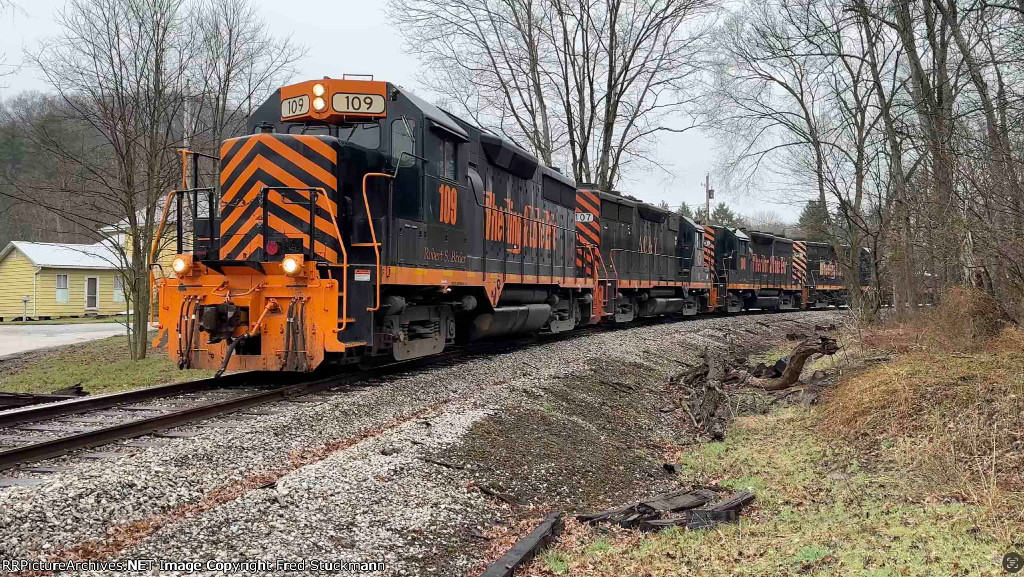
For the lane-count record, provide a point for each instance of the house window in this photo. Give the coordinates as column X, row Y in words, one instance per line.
column 448, row 159
column 118, row 289
column 62, row 289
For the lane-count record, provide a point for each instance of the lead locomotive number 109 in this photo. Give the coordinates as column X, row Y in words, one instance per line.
column 357, row 221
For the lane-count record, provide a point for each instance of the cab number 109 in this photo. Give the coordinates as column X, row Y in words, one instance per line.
column 448, row 205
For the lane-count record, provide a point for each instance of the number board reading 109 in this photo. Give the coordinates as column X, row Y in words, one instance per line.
column 296, row 106
column 347, row 103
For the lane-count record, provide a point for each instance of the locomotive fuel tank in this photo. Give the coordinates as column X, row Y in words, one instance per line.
column 510, row 320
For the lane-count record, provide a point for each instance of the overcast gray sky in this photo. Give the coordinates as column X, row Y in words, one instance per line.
column 353, row 36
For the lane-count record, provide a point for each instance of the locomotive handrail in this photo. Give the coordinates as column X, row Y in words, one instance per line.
column 160, row 227
column 337, row 232
column 155, row 248
column 611, row 256
column 373, row 232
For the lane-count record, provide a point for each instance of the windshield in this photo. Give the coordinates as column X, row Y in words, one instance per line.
column 363, row 134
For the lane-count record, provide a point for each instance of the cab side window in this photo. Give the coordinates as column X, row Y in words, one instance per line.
column 448, row 160
column 406, row 196
column 403, row 141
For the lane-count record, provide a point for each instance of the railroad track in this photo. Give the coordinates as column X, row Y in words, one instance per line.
column 95, row 421
column 89, row 422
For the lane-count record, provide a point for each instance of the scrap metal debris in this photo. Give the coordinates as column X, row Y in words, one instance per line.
column 685, row 507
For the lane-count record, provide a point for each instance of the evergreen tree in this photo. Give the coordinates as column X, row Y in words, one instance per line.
column 721, row 215
column 684, row 210
column 813, row 221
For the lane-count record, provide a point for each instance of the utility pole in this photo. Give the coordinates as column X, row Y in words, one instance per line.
column 709, row 193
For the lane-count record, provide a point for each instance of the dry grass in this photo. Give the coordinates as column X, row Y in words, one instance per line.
column 100, row 366
column 912, row 465
column 949, row 406
column 822, row 508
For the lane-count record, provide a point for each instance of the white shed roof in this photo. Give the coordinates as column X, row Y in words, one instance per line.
column 54, row 255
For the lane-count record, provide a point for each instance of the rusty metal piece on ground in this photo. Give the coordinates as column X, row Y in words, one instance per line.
column 725, row 511
column 75, row 390
column 734, row 502
column 678, row 500
column 527, row 548
column 705, row 518
column 627, row 515
column 15, row 400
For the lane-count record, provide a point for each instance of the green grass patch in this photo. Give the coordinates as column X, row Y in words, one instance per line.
column 555, row 562
column 100, row 366
column 821, row 509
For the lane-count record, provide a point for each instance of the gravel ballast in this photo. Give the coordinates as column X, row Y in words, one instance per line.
column 388, row 472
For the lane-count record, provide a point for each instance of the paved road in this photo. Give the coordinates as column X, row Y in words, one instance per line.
column 21, row 338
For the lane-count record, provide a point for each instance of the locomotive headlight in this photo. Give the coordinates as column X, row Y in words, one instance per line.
column 319, row 104
column 292, row 264
column 318, row 89
column 182, row 264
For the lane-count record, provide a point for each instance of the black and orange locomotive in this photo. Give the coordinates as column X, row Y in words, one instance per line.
column 359, row 221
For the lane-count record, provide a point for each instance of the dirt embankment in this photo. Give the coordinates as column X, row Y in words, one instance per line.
column 910, row 463
column 601, row 437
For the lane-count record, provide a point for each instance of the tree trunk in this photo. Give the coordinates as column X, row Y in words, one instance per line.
column 802, row 352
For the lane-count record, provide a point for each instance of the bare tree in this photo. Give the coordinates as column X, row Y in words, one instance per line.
column 239, row 63
column 903, row 117
column 792, row 95
column 119, row 67
column 590, row 84
column 133, row 80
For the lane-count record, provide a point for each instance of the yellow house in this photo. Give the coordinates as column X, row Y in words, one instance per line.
column 119, row 235
column 49, row 280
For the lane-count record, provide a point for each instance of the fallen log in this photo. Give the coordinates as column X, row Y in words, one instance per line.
column 802, row 352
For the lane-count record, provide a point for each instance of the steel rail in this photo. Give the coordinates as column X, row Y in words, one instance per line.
column 63, row 445
column 35, row 413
